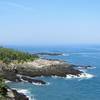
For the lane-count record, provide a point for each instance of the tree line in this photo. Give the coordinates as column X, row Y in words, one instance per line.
column 9, row 55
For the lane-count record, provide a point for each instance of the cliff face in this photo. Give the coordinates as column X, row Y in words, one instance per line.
column 58, row 69
column 39, row 67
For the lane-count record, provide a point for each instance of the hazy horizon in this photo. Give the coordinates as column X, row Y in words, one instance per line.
column 49, row 22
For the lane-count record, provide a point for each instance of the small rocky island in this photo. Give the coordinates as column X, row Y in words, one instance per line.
column 48, row 54
column 19, row 66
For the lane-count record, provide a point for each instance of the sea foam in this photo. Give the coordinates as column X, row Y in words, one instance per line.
column 23, row 91
column 80, row 76
column 26, row 92
column 83, row 75
column 38, row 84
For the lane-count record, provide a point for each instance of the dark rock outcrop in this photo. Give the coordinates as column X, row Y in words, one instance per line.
column 12, row 76
column 30, row 80
column 10, row 94
column 38, row 68
column 19, row 96
column 48, row 53
column 14, row 95
column 59, row 70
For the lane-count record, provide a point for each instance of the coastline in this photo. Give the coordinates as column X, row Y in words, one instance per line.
column 40, row 67
column 27, row 71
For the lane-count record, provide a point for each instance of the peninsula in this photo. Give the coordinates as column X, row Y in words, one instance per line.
column 20, row 66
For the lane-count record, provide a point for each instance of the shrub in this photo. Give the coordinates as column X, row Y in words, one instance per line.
column 9, row 55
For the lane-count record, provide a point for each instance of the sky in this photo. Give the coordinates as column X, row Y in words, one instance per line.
column 49, row 22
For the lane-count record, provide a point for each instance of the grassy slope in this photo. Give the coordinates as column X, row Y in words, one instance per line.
column 10, row 55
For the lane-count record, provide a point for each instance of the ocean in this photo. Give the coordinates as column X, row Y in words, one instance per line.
column 58, row 88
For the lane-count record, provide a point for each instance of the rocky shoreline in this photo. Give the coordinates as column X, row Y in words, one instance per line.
column 38, row 67
column 14, row 95
column 25, row 72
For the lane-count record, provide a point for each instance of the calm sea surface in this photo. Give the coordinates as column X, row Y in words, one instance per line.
column 63, row 88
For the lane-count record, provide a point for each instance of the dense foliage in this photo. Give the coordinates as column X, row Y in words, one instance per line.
column 3, row 89
column 10, row 55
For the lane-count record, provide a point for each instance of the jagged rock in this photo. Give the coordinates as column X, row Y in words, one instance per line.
column 14, row 95
column 39, row 67
column 30, row 80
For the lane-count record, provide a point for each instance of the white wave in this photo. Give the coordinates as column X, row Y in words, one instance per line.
column 86, row 75
column 54, row 76
column 23, row 91
column 38, row 84
column 83, row 75
column 91, row 67
column 26, row 92
column 80, row 76
column 65, row 54
column 7, row 81
column 83, row 69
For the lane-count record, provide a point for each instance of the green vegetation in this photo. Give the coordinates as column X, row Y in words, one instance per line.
column 3, row 89
column 9, row 55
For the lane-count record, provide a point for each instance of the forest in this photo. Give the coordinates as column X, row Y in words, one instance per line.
column 10, row 55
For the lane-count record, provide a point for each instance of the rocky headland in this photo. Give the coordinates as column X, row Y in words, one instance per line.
column 39, row 67
column 23, row 67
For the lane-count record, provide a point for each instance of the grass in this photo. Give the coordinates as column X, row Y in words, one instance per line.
column 10, row 55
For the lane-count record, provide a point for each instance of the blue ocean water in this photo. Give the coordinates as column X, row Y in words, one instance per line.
column 62, row 88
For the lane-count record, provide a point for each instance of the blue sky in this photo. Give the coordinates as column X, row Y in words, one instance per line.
column 49, row 22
